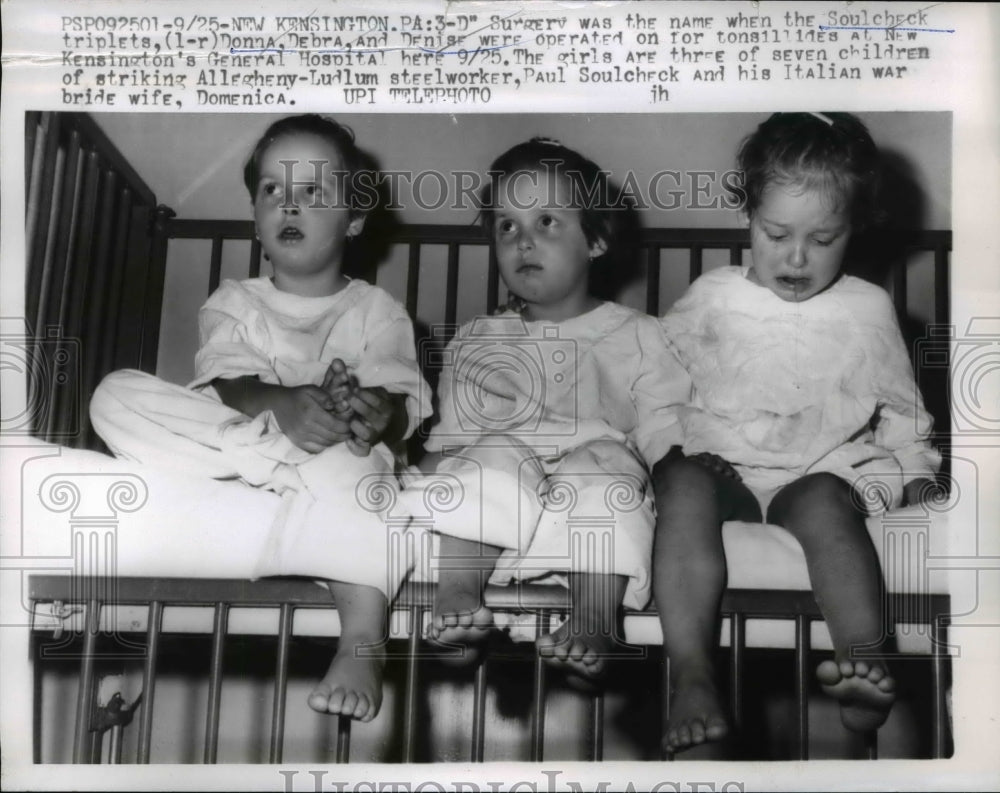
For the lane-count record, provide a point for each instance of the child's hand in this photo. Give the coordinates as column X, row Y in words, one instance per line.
column 341, row 385
column 715, row 463
column 305, row 414
column 375, row 412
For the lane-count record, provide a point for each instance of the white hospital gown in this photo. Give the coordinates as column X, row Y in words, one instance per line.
column 333, row 522
column 783, row 389
column 553, row 427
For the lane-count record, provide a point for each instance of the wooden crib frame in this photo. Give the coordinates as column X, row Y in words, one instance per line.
column 113, row 250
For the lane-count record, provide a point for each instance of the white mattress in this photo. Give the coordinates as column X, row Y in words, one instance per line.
column 67, row 510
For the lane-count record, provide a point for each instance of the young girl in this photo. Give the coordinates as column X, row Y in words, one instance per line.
column 550, row 416
column 803, row 399
column 304, row 383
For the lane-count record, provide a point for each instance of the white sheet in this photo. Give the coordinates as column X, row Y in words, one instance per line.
column 71, row 503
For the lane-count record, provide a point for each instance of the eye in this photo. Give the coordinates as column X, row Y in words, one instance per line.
column 775, row 236
column 824, row 243
column 505, row 226
column 269, row 188
column 547, row 221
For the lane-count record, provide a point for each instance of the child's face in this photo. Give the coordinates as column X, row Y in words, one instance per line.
column 301, row 218
column 797, row 237
column 541, row 248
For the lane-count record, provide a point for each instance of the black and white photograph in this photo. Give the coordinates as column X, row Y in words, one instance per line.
column 377, row 435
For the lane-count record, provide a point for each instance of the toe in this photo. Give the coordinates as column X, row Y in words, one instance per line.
column 349, row 704
column 697, row 731
column 576, row 650
column 335, row 702
column 875, row 674
column 716, row 728
column 828, row 673
column 887, row 684
column 846, row 669
column 319, row 700
column 862, row 669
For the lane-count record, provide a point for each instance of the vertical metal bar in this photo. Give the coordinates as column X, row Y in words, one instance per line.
column 871, row 744
column 666, row 701
column 149, row 679
column 737, row 642
column 479, row 714
column 343, row 739
column 115, row 749
column 82, row 739
column 215, row 682
column 735, row 256
column 280, row 684
column 413, row 279
column 451, row 285
column 941, row 313
column 155, row 276
column 34, row 145
column 939, row 634
column 492, row 282
column 254, row 259
column 597, row 728
column 410, row 690
column 802, row 684
column 110, row 329
column 696, row 265
column 538, row 698
column 215, row 270
column 652, row 280
column 96, row 747
column 39, row 247
column 899, row 288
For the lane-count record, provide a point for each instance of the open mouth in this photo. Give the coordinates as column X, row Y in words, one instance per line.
column 793, row 283
column 290, row 234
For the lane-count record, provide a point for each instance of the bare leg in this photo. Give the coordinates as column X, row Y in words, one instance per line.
column 689, row 576
column 460, row 616
column 352, row 685
column 847, row 582
column 583, row 645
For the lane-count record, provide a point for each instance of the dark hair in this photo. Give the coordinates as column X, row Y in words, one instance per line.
column 599, row 201
column 828, row 151
column 329, row 130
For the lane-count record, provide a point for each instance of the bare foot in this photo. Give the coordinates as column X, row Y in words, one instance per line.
column 583, row 655
column 696, row 715
column 461, row 623
column 865, row 690
column 352, row 685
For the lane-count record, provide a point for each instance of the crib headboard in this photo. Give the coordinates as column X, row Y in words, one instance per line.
column 95, row 251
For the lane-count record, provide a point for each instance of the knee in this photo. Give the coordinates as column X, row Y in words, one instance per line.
column 106, row 398
column 496, row 452
column 603, row 457
column 805, row 502
column 681, row 475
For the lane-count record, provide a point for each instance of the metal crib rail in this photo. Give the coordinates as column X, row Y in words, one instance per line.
column 288, row 595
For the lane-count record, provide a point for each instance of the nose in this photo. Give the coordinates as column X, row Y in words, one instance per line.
column 290, row 208
column 525, row 241
column 797, row 255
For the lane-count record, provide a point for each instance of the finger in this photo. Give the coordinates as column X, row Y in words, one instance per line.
column 376, row 416
column 318, row 397
column 363, row 431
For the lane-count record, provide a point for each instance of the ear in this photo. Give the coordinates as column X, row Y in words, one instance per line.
column 598, row 248
column 356, row 225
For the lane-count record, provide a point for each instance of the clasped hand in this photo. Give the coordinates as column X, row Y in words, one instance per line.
column 337, row 411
